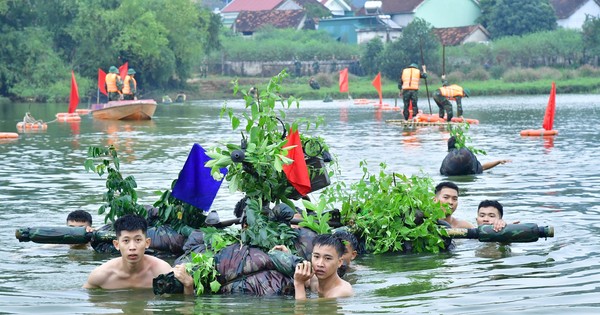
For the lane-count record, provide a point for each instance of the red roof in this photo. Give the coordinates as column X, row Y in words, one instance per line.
column 452, row 36
column 251, row 5
column 399, row 6
column 250, row 21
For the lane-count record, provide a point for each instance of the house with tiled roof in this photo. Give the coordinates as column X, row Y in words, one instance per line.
column 230, row 12
column 453, row 36
column 248, row 22
column 572, row 13
column 439, row 13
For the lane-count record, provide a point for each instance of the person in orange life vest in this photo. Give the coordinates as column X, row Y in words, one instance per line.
column 114, row 84
column 129, row 85
column 409, row 84
column 444, row 94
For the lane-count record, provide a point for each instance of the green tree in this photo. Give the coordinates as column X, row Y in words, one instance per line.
column 417, row 36
column 591, row 36
column 516, row 17
column 370, row 57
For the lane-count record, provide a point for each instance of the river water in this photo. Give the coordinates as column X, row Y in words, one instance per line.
column 549, row 182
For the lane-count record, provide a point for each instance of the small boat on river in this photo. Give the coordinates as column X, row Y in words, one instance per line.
column 125, row 110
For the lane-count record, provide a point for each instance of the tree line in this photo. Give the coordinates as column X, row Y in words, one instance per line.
column 42, row 40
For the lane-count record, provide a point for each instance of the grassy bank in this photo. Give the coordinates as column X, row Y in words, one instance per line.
column 216, row 87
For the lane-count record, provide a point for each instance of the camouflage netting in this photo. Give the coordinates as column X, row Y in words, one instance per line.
column 249, row 270
column 303, row 243
column 460, row 162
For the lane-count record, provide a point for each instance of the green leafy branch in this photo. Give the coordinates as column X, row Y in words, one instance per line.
column 177, row 213
column 121, row 197
column 264, row 233
column 389, row 210
column 460, row 134
column 319, row 222
column 202, row 269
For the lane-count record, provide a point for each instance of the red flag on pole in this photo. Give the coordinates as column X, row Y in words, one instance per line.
column 344, row 80
column 377, row 84
column 74, row 98
column 123, row 70
column 102, row 81
column 297, row 173
column 549, row 116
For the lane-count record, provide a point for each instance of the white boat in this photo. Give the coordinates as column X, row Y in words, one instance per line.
column 125, row 110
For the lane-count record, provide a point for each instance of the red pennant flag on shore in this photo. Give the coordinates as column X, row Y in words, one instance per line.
column 297, row 173
column 377, row 84
column 123, row 70
column 102, row 81
column 74, row 98
column 344, row 80
column 550, row 109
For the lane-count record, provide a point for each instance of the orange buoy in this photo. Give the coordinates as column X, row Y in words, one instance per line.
column 68, row 117
column 429, row 118
column 362, row 101
column 467, row 120
column 9, row 135
column 386, row 107
column 31, row 126
column 538, row 133
column 83, row 111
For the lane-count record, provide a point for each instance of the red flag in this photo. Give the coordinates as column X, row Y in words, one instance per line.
column 344, row 80
column 123, row 70
column 102, row 81
column 297, row 173
column 549, row 116
column 377, row 84
column 74, row 99
column 410, row 110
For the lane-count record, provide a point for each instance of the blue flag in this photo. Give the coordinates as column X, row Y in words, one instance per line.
column 195, row 185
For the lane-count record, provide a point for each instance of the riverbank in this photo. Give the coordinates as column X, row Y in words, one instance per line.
column 219, row 87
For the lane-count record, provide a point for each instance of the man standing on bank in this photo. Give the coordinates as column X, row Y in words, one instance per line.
column 409, row 84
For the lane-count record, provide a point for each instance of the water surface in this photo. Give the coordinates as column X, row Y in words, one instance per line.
column 549, row 182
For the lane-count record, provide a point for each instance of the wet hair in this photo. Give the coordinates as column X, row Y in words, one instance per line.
column 443, row 185
column 346, row 236
column 330, row 240
column 130, row 222
column 451, row 143
column 80, row 216
column 240, row 207
column 493, row 204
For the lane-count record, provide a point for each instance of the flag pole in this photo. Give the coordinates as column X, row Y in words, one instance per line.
column 426, row 86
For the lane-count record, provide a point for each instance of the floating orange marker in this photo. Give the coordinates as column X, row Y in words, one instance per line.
column 68, row 117
column 83, row 111
column 467, row 120
column 548, row 119
column 21, row 126
column 9, row 135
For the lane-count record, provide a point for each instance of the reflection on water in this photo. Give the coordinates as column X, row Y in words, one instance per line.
column 551, row 181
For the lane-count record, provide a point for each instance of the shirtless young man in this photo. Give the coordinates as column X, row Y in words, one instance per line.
column 490, row 212
column 326, row 259
column 447, row 193
column 133, row 269
column 79, row 218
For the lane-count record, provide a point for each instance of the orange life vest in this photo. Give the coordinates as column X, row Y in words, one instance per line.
column 452, row 91
column 410, row 78
column 111, row 82
column 127, row 85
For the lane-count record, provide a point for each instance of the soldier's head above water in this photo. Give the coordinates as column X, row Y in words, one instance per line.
column 489, row 211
